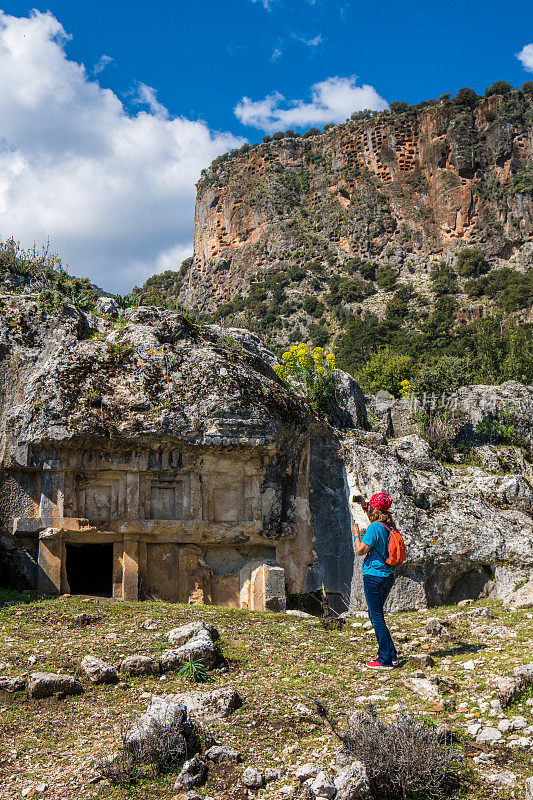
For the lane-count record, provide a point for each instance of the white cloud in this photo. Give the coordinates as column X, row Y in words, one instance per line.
column 267, row 4
column 276, row 55
column 332, row 100
column 526, row 57
column 314, row 42
column 114, row 191
column 101, row 64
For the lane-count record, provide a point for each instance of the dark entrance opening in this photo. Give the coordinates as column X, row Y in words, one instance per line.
column 90, row 569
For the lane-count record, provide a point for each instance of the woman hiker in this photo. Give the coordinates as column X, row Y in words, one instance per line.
column 378, row 576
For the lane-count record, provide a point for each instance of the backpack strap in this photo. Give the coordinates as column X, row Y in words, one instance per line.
column 377, row 551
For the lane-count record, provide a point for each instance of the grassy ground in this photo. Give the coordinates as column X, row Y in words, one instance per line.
column 276, row 662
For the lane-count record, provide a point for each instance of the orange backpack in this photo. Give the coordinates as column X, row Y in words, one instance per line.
column 396, row 548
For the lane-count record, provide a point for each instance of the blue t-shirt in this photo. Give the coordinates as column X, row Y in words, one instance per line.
column 377, row 537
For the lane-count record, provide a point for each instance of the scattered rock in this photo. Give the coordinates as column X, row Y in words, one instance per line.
column 183, row 634
column 107, row 306
column 46, row 684
column 323, row 786
column 463, row 603
column 424, row 688
column 488, row 735
column 421, row 660
column 252, row 778
column 293, row 612
column 98, row 671
column 80, row 620
column 13, row 684
column 218, row 704
column 220, row 754
column 434, row 626
column 162, row 715
column 306, row 771
column 526, row 672
column 149, row 625
column 473, row 730
column 529, row 789
column 273, row 774
column 201, row 647
column 504, row 726
column 193, row 773
column 140, row 665
column 510, row 689
column 505, row 778
column 352, row 782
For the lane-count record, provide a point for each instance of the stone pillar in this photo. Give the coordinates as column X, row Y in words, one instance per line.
column 49, row 566
column 118, row 568
column 130, row 573
column 132, row 495
column 262, row 587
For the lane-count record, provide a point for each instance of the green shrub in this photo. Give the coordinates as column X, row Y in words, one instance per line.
column 471, row 262
column 511, row 290
column 386, row 370
column 398, row 106
column 296, row 273
column 442, row 279
column 386, row 277
column 466, row 98
column 193, row 670
column 499, row 87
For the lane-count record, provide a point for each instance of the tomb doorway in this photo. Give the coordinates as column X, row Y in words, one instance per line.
column 90, row 569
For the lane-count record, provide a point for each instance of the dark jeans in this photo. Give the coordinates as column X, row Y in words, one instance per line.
column 376, row 592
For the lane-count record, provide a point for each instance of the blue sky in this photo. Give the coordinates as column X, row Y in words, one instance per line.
column 195, row 63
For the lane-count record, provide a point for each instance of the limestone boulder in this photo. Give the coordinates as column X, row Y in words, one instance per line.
column 252, row 778
column 522, row 597
column 193, row 774
column 468, row 534
column 217, row 704
column 107, row 306
column 351, row 782
column 98, row 671
column 140, row 665
column 201, row 647
column 46, row 684
column 222, row 754
column 11, row 685
column 163, row 716
column 184, row 633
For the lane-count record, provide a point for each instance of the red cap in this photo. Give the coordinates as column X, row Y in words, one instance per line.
column 380, row 501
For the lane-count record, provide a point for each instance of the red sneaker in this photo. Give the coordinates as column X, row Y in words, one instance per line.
column 378, row 665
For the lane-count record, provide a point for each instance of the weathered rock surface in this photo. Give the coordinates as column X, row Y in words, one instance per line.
column 162, row 716
column 46, row 684
column 140, row 665
column 396, row 188
column 13, row 684
column 351, row 782
column 455, row 550
column 222, row 754
column 98, row 671
column 193, row 773
column 201, row 647
column 219, row 703
column 183, row 634
column 252, row 778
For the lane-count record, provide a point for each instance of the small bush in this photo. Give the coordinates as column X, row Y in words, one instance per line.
column 499, row 87
column 440, row 430
column 466, row 98
column 403, row 759
column 309, row 374
column 386, row 277
column 471, row 262
column 193, row 671
column 443, row 279
column 386, row 370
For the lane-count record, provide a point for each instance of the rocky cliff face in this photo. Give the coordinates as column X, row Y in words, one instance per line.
column 177, row 446
column 403, row 189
